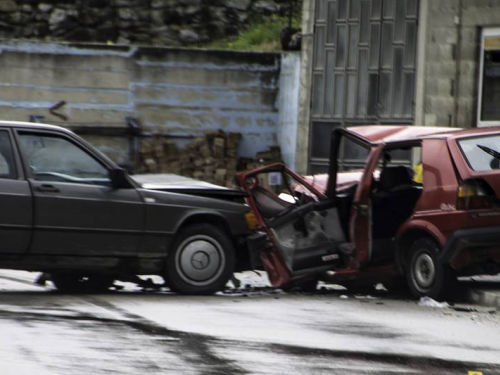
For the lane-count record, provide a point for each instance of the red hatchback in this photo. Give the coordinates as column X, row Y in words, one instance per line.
column 425, row 205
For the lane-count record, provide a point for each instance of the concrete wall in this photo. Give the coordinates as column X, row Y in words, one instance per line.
column 450, row 69
column 175, row 91
column 288, row 104
column 303, row 132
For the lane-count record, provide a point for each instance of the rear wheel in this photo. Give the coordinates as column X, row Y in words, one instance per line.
column 201, row 260
column 426, row 275
column 74, row 283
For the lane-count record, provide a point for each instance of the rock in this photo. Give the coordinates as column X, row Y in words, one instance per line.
column 189, row 36
column 123, row 40
column 127, row 14
column 218, row 14
column 26, row 8
column 160, row 4
column 44, row 7
column 238, row 4
column 265, row 7
column 126, row 3
column 165, row 36
column 8, row 6
column 158, row 17
column 57, row 16
column 191, row 11
column 144, row 15
column 96, row 16
column 15, row 17
column 41, row 30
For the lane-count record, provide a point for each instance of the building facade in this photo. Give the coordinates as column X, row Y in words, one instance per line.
column 425, row 62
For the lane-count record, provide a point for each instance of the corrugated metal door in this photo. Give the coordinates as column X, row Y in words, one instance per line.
column 363, row 68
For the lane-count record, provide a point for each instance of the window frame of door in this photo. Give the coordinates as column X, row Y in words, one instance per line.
column 105, row 162
column 21, row 175
column 485, row 32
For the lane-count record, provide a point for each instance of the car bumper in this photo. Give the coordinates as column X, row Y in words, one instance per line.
column 469, row 239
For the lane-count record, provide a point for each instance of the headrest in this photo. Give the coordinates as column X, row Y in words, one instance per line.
column 394, row 176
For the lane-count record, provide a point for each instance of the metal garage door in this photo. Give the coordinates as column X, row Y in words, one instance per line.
column 363, row 69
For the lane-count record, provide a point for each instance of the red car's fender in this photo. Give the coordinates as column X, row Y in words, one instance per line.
column 411, row 230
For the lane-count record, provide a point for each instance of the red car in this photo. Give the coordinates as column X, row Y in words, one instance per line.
column 425, row 205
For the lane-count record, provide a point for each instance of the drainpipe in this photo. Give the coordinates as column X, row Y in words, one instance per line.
column 458, row 48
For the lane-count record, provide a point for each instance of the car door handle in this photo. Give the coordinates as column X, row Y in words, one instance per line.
column 46, row 189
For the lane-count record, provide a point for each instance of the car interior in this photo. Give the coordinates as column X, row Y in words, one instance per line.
column 393, row 199
column 302, row 230
column 307, row 231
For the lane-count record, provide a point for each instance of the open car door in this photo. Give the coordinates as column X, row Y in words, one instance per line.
column 354, row 200
column 299, row 227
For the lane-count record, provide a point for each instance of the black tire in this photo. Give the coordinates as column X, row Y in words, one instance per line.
column 201, row 260
column 75, row 283
column 426, row 275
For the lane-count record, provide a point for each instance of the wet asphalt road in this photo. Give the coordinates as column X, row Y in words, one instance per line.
column 131, row 332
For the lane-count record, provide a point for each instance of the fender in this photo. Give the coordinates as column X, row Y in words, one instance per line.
column 195, row 215
column 424, row 226
column 412, row 229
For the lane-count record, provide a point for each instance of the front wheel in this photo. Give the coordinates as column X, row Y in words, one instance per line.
column 426, row 275
column 201, row 260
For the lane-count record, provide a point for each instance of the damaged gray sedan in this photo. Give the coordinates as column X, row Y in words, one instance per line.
column 69, row 211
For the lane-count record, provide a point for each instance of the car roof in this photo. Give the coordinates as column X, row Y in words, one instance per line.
column 398, row 133
column 32, row 125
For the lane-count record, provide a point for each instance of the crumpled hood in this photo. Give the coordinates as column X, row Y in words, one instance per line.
column 186, row 185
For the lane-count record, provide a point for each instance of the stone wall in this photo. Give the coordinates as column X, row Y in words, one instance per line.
column 156, row 22
column 451, row 66
column 177, row 92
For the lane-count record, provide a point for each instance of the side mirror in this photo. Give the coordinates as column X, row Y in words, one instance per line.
column 118, row 178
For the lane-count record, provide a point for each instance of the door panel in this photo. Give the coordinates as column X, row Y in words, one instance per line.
column 76, row 219
column 360, row 222
column 301, row 223
column 76, row 211
column 310, row 241
column 16, row 218
column 16, row 204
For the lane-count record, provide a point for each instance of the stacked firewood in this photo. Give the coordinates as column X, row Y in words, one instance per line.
column 211, row 158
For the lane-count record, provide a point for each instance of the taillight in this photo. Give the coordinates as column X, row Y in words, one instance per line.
column 473, row 196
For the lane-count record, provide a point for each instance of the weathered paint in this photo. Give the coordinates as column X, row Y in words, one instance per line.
column 288, row 103
column 176, row 91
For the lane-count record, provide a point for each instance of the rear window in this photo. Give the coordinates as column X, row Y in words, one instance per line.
column 482, row 153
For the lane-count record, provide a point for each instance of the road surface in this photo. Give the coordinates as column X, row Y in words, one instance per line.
column 263, row 332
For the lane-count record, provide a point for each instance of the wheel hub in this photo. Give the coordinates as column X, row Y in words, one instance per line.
column 424, row 270
column 200, row 260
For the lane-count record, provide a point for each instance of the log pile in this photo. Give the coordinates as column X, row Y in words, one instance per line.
column 212, row 158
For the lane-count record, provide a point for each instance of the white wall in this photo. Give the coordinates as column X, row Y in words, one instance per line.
column 288, row 107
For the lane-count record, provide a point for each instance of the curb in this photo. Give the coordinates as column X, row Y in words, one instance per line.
column 483, row 297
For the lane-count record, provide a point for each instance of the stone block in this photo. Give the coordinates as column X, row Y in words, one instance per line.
column 238, row 4
column 8, row 6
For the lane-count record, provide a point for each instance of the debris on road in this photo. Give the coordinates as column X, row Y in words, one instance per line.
column 429, row 302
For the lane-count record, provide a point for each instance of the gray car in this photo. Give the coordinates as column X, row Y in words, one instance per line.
column 68, row 210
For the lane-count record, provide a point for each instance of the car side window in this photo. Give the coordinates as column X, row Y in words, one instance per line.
column 53, row 158
column 7, row 162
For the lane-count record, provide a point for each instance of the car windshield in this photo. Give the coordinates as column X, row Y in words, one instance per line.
column 480, row 152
